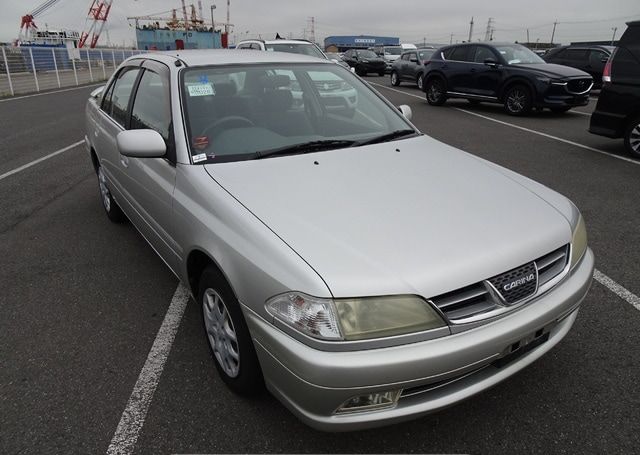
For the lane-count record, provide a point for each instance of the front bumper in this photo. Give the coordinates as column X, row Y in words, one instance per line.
column 433, row 374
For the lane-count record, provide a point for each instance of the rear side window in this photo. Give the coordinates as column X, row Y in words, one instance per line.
column 116, row 101
column 151, row 106
column 597, row 58
column 576, row 54
column 459, row 54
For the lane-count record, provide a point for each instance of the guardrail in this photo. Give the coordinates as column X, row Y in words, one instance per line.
column 31, row 69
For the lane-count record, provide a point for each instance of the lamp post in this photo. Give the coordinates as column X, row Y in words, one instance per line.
column 213, row 27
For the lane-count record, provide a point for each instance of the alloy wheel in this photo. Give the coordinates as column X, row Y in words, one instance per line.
column 221, row 333
column 104, row 191
column 434, row 93
column 516, row 100
column 634, row 139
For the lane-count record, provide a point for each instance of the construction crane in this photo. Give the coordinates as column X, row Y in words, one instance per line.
column 27, row 23
column 96, row 18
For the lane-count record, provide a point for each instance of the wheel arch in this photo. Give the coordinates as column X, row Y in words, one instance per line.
column 197, row 262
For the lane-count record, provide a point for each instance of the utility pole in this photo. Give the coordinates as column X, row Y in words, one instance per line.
column 313, row 29
column 213, row 26
column 451, row 39
column 488, row 34
column 553, row 33
column 226, row 27
column 424, row 41
column 470, row 29
column 613, row 38
column 528, row 37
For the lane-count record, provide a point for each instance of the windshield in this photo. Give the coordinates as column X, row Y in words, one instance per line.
column 367, row 54
column 393, row 50
column 248, row 111
column 515, row 54
column 296, row 48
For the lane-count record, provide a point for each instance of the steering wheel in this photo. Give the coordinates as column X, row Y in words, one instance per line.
column 230, row 121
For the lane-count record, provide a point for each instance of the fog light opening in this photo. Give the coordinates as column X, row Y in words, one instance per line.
column 370, row 402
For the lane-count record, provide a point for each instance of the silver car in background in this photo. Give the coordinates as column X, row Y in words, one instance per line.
column 362, row 271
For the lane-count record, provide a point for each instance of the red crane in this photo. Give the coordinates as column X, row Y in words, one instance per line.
column 98, row 13
column 27, row 23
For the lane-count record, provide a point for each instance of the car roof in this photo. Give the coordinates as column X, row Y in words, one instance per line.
column 201, row 57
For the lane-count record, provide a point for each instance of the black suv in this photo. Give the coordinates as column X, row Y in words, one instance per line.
column 506, row 73
column 617, row 113
column 365, row 62
column 590, row 59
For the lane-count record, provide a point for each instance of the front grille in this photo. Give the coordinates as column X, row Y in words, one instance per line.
column 516, row 284
column 475, row 300
column 329, row 85
column 579, row 86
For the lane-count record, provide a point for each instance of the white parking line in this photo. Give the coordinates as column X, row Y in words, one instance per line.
column 126, row 435
column 14, row 98
column 614, row 287
column 528, row 130
column 39, row 160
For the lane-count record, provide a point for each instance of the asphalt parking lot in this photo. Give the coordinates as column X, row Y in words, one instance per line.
column 83, row 300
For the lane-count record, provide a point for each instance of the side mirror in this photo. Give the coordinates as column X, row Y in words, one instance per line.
column 141, row 144
column 406, row 111
column 491, row 62
column 97, row 93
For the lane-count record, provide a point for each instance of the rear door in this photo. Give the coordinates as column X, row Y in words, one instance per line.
column 457, row 68
column 114, row 113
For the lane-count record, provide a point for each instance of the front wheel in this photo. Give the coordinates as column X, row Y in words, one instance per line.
column 632, row 138
column 517, row 100
column 420, row 81
column 229, row 339
column 381, row 73
column 360, row 71
column 436, row 95
column 395, row 80
column 113, row 211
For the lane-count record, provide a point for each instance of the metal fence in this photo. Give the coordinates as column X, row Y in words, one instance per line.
column 28, row 69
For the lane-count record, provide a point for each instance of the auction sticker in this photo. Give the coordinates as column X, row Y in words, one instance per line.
column 200, row 157
column 200, row 90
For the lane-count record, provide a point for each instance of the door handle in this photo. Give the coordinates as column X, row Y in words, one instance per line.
column 124, row 161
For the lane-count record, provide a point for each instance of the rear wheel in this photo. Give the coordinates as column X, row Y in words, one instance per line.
column 229, row 340
column 517, row 100
column 360, row 71
column 436, row 95
column 381, row 73
column 395, row 79
column 114, row 212
column 420, row 81
column 632, row 138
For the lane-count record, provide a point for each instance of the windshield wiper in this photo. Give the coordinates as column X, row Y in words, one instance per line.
column 305, row 147
column 388, row 137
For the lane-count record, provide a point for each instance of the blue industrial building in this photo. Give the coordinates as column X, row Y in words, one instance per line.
column 164, row 39
column 343, row 43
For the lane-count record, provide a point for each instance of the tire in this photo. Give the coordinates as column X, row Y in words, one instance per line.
column 560, row 110
column 632, row 138
column 235, row 360
column 420, row 81
column 360, row 71
column 111, row 208
column 395, row 79
column 381, row 73
column 435, row 92
column 517, row 100
column 474, row 102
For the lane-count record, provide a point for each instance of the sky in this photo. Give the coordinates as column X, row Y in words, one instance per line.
column 413, row 21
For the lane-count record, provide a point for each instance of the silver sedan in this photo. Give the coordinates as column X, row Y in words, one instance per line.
column 363, row 272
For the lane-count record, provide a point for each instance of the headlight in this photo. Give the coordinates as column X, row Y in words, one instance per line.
column 365, row 61
column 578, row 241
column 354, row 319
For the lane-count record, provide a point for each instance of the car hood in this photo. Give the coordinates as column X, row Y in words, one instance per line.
column 552, row 70
column 412, row 216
